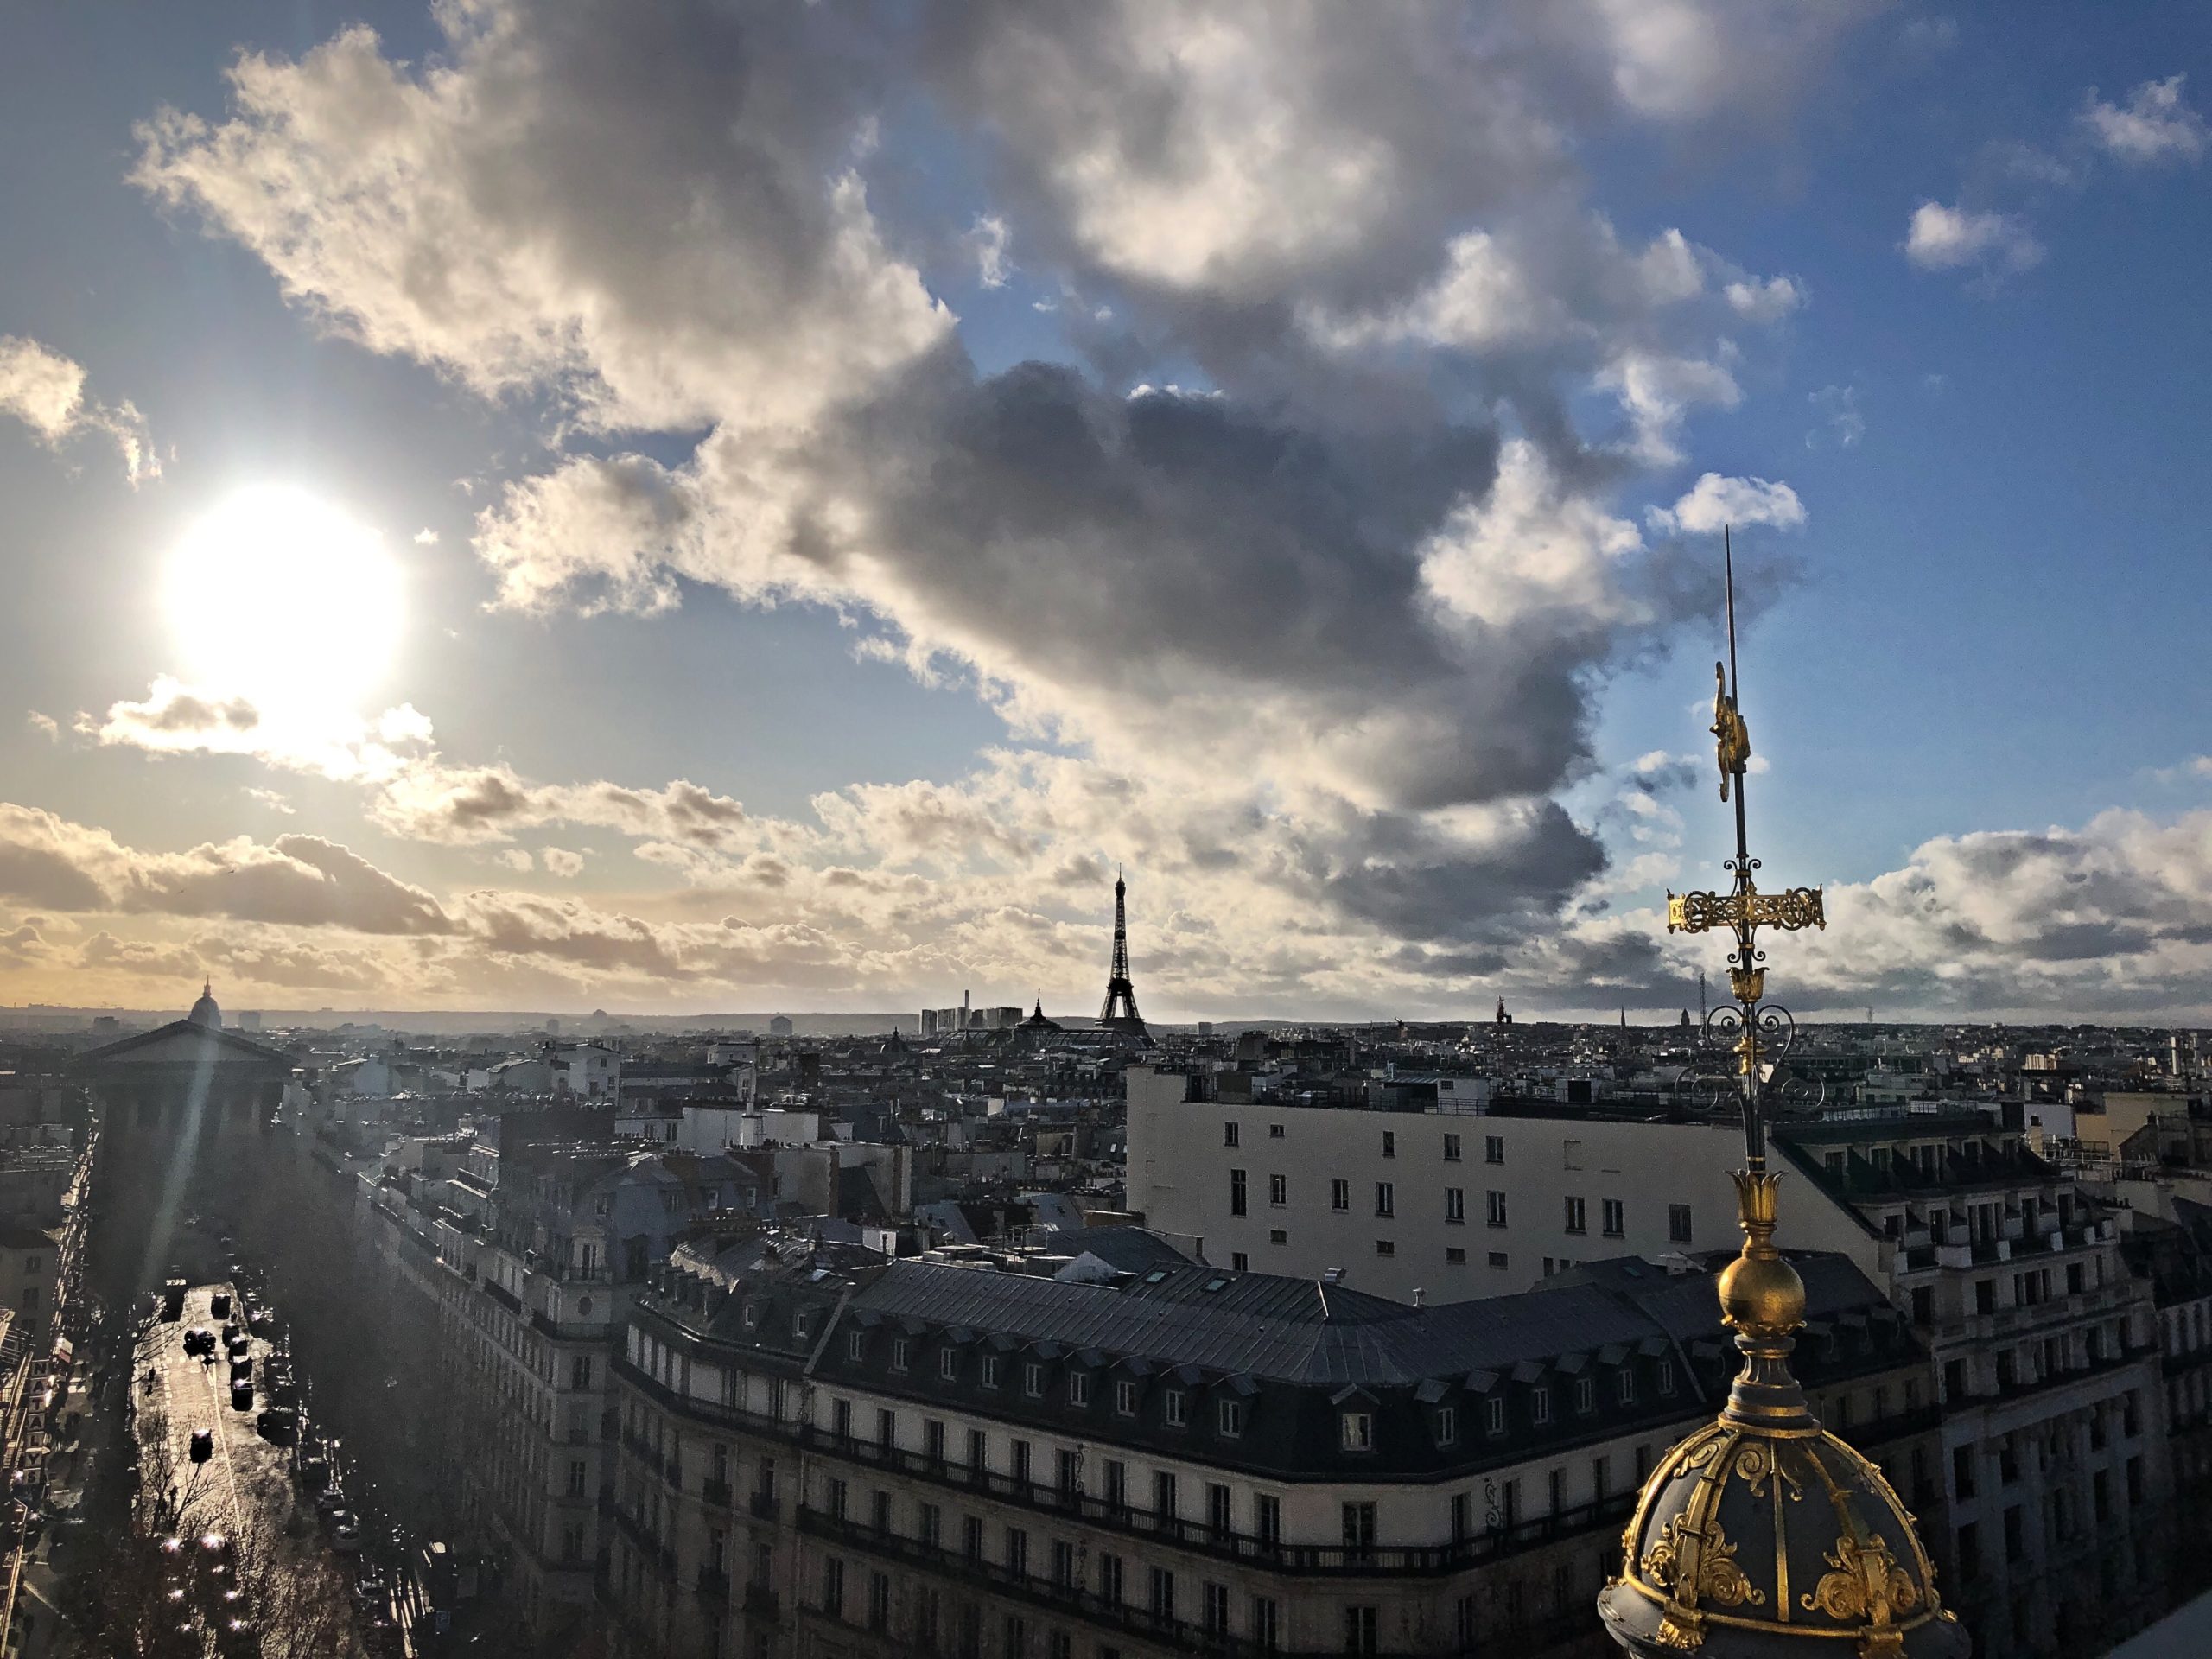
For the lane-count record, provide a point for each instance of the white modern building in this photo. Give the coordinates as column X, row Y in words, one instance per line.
column 1453, row 1204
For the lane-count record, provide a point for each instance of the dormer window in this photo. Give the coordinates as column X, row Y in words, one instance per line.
column 752, row 1317
column 1447, row 1425
column 901, row 1353
column 1033, row 1380
column 990, row 1370
column 1175, row 1404
column 1078, row 1388
column 1666, row 1376
column 1125, row 1398
column 1586, row 1396
column 1230, row 1416
column 1540, row 1405
column 1627, row 1387
column 856, row 1346
column 798, row 1327
column 1494, row 1417
column 1356, row 1431
column 948, row 1364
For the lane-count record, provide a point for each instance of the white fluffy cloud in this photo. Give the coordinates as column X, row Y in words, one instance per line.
column 1319, row 638
column 46, row 391
column 1714, row 501
column 2154, row 124
column 1948, row 239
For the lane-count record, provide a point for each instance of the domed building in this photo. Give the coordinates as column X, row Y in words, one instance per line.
column 205, row 1013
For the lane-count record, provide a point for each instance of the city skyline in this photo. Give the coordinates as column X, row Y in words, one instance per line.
column 554, row 507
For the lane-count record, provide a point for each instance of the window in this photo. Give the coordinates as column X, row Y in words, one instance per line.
column 1447, row 1425
column 1265, row 1625
column 1586, row 1396
column 1278, row 1190
column 1021, row 1450
column 1389, row 1143
column 840, row 1419
column 1540, row 1405
column 580, row 1371
column 1213, row 1608
column 1499, row 1260
column 1117, row 1485
column 1339, row 1195
column 1494, row 1206
column 1063, row 1563
column 1277, row 1235
column 1235, row 1192
column 1359, row 1526
column 1578, row 1216
column 971, row 1537
column 1360, row 1629
column 1165, row 1502
column 901, row 1352
column 1125, row 1398
column 1494, row 1416
column 1218, row 1507
column 1274, row 1131
column 1356, row 1431
column 1451, row 1148
column 1078, row 1388
column 1386, row 1247
column 1267, row 1517
column 1493, row 1148
column 1229, row 1134
column 575, row 1476
column 933, row 1440
column 1175, row 1404
column 855, row 1346
column 1386, row 1198
column 1666, row 1376
column 879, row 1601
column 979, row 1449
column 1239, row 1262
column 990, row 1370
column 1624, row 1386
column 1454, row 1256
column 833, row 1587
column 1229, row 1416
column 1110, row 1579
column 1033, row 1380
column 1678, row 1224
column 1455, row 1205
column 1163, row 1594
column 948, row 1363
column 1610, row 1214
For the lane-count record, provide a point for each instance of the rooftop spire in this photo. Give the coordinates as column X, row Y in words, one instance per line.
column 1844, row 1561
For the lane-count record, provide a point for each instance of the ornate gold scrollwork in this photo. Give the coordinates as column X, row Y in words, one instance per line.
column 1718, row 1579
column 1866, row 1583
column 1790, row 910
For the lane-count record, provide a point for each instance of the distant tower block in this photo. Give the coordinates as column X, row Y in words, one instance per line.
column 1503, row 1017
column 1119, row 1012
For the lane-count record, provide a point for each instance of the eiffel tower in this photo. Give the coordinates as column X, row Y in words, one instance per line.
column 1119, row 1012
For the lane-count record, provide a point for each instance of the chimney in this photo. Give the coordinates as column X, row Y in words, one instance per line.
column 1333, row 1276
column 1421, row 1296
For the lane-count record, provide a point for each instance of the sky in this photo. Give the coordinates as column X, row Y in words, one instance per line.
column 557, row 504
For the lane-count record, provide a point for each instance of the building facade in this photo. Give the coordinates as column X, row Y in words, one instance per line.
column 823, row 1452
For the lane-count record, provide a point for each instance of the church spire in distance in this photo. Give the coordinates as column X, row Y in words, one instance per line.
column 1763, row 1534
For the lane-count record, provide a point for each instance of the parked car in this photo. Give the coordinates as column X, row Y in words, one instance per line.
column 314, row 1471
column 218, row 1305
column 345, row 1536
column 282, row 1391
column 242, row 1394
column 278, row 1423
column 203, row 1445
column 330, row 1500
column 241, row 1367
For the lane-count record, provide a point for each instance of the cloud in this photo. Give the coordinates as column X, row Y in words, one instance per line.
column 559, row 861
column 46, row 391
column 426, row 537
column 514, row 858
column 1714, row 501
column 2153, row 125
column 988, row 239
column 45, row 725
column 176, row 718
column 1315, row 623
column 301, row 881
column 1947, row 238
column 270, row 799
column 1841, row 422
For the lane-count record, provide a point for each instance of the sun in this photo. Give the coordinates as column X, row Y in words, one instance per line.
column 279, row 597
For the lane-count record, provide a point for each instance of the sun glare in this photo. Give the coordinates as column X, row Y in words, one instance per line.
column 279, row 597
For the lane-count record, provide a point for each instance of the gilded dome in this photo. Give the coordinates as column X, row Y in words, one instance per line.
column 1748, row 1542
